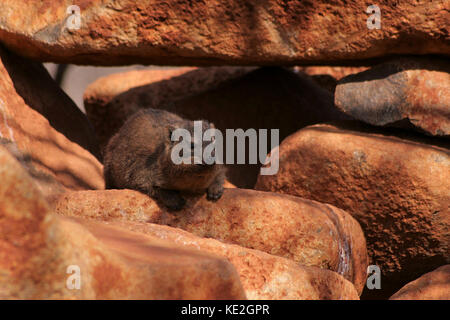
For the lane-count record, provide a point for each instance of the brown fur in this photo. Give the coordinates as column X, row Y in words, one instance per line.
column 138, row 157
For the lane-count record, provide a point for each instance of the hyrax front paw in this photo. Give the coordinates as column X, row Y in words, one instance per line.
column 214, row 192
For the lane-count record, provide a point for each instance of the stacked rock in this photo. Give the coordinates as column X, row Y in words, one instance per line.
column 364, row 157
column 393, row 177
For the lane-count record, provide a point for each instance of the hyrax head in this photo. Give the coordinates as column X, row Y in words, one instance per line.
column 191, row 146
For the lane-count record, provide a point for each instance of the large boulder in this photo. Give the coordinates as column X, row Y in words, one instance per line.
column 46, row 126
column 304, row 231
column 106, row 88
column 35, row 89
column 44, row 256
column 221, row 32
column 408, row 92
column 434, row 285
column 263, row 276
column 230, row 97
column 394, row 183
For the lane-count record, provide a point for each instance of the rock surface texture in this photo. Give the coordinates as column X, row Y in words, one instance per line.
column 304, row 231
column 228, row 32
column 434, row 285
column 395, row 185
column 263, row 276
column 41, row 255
column 411, row 92
column 46, row 126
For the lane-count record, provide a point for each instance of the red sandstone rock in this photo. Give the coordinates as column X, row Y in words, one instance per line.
column 222, row 32
column 395, row 184
column 231, row 98
column 304, row 231
column 38, row 251
column 434, row 285
column 46, row 125
column 412, row 91
column 263, row 276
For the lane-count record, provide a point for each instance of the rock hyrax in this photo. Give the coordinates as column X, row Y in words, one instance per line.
column 138, row 157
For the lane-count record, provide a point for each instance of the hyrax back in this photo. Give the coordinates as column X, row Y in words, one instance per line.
column 138, row 157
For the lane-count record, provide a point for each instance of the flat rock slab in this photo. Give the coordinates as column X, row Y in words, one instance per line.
column 263, row 276
column 434, row 285
column 395, row 184
column 408, row 92
column 304, row 231
column 221, row 32
column 45, row 256
column 46, row 126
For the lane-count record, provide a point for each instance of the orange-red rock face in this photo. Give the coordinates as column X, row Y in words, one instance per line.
column 263, row 276
column 395, row 184
column 433, row 285
column 45, row 124
column 228, row 32
column 38, row 249
column 129, row 260
column 304, row 231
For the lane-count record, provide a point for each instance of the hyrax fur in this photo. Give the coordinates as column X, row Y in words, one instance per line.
column 138, row 157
